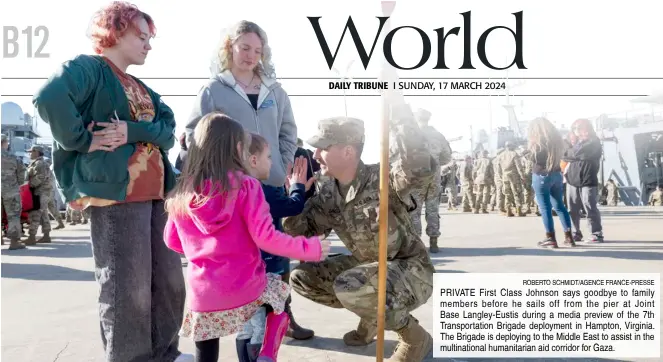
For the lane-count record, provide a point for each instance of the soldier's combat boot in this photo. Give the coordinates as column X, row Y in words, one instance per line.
column 296, row 331
column 509, row 213
column 549, row 241
column 60, row 225
column 568, row 238
column 433, row 246
column 519, row 212
column 413, row 345
column 15, row 244
column 484, row 211
column 476, row 211
column 45, row 239
column 364, row 335
column 31, row 240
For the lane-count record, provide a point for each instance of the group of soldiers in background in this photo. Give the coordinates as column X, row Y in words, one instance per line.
column 41, row 182
column 502, row 183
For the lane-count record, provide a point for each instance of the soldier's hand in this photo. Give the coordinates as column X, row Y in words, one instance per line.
column 310, row 183
column 326, row 248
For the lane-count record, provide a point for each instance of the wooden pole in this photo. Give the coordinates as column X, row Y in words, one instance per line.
column 383, row 231
column 387, row 9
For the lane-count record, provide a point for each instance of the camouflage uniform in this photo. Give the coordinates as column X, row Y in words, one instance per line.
column 528, row 191
column 52, row 208
column 656, row 198
column 467, row 186
column 497, row 199
column 451, row 188
column 613, row 193
column 483, row 178
column 76, row 216
column 39, row 177
column 13, row 174
column 430, row 194
column 512, row 176
column 352, row 211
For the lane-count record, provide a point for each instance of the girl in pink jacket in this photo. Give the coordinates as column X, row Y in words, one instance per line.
column 219, row 220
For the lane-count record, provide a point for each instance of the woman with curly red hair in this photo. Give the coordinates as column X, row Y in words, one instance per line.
column 584, row 158
column 112, row 135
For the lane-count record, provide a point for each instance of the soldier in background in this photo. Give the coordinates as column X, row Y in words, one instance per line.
column 528, row 191
column 613, row 193
column 52, row 205
column 429, row 195
column 465, row 176
column 512, row 179
column 497, row 199
column 39, row 178
column 349, row 205
column 483, row 178
column 656, row 197
column 13, row 174
column 450, row 185
column 77, row 216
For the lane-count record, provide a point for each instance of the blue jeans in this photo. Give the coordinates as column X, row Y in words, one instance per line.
column 549, row 195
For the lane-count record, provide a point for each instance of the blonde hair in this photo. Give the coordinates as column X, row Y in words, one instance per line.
column 211, row 157
column 543, row 136
column 222, row 59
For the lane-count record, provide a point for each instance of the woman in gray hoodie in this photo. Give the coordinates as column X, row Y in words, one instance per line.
column 244, row 87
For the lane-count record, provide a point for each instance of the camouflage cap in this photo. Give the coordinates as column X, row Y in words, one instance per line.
column 36, row 148
column 338, row 131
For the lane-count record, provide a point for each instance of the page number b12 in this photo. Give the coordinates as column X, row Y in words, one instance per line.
column 29, row 41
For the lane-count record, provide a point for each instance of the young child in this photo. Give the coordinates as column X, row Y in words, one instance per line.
column 249, row 341
column 219, row 220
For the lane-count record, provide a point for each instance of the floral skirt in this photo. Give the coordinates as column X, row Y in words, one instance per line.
column 202, row 326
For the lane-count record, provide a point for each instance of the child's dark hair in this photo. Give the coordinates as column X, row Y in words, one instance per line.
column 258, row 144
column 212, row 155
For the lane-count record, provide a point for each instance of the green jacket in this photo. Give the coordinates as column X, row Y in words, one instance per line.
column 86, row 89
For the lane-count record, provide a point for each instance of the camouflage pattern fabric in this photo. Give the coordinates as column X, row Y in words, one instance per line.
column 512, row 176
column 528, row 191
column 39, row 177
column 13, row 173
column 430, row 199
column 343, row 282
column 466, row 186
column 656, row 198
column 613, row 194
column 77, row 216
column 498, row 196
column 451, row 188
column 350, row 281
column 483, row 178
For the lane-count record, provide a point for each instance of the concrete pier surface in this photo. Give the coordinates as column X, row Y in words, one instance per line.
column 49, row 310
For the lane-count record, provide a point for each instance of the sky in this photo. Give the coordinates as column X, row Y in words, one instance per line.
column 564, row 39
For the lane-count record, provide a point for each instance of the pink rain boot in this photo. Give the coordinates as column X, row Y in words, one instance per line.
column 275, row 328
